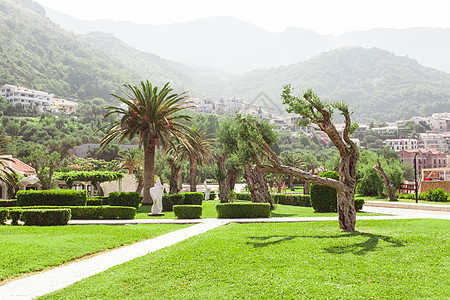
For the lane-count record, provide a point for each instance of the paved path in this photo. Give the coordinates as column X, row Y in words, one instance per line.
column 60, row 277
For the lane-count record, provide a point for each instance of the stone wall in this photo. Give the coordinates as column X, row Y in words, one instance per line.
column 129, row 184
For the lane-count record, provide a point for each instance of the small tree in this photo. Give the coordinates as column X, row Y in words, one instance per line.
column 313, row 110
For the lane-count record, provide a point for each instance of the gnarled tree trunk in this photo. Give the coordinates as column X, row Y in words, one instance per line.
column 391, row 196
column 224, row 187
column 257, row 184
column 173, row 180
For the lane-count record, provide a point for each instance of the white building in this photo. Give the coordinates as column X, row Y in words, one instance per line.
column 430, row 140
column 440, row 122
column 386, row 130
column 27, row 97
column 402, row 144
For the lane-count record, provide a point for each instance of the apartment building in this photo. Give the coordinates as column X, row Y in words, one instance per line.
column 27, row 97
column 426, row 158
column 401, row 144
column 431, row 140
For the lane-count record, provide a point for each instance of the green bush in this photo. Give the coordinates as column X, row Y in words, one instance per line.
column 94, row 202
column 359, row 203
column 212, row 195
column 420, row 196
column 243, row 196
column 52, row 198
column 14, row 215
column 4, row 213
column 169, row 200
column 323, row 198
column 291, row 199
column 242, row 210
column 132, row 199
column 45, row 217
column 187, row 211
column 94, row 212
column 193, row 198
column 8, row 203
column 436, row 195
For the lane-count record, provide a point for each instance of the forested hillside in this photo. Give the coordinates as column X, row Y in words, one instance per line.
column 385, row 86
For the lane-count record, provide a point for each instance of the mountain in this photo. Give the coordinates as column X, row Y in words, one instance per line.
column 385, row 86
column 237, row 47
column 38, row 54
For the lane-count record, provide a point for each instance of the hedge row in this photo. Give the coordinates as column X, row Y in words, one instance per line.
column 292, row 199
column 8, row 203
column 36, row 216
column 243, row 196
column 88, row 212
column 51, row 197
column 242, row 210
column 190, row 198
column 187, row 211
column 132, row 199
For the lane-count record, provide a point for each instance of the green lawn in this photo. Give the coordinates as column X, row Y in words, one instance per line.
column 26, row 249
column 395, row 259
column 209, row 211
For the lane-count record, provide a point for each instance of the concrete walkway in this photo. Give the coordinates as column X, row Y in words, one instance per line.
column 60, row 277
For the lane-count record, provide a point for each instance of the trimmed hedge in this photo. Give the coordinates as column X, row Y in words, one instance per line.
column 193, row 198
column 45, row 217
column 359, row 203
column 4, row 213
column 132, row 199
column 94, row 212
column 292, row 199
column 94, row 202
column 242, row 210
column 51, row 198
column 323, row 198
column 169, row 200
column 8, row 203
column 212, row 195
column 243, row 196
column 14, row 215
column 187, row 211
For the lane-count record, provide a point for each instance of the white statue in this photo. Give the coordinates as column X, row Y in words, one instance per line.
column 207, row 191
column 156, row 192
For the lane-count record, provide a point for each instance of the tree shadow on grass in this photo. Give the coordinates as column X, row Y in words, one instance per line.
column 370, row 244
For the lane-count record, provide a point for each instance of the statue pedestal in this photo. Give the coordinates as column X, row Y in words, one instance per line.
column 155, row 215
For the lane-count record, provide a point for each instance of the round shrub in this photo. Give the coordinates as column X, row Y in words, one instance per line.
column 323, row 198
column 45, row 217
column 359, row 203
column 187, row 211
column 243, row 210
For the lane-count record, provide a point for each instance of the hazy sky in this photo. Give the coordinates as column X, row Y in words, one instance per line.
column 322, row 16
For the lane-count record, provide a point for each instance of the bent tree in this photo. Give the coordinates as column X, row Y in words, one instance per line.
column 313, row 110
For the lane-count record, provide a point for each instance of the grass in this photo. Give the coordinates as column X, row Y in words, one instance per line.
column 209, row 211
column 31, row 248
column 395, row 259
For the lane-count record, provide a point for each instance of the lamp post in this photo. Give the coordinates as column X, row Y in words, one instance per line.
column 415, row 177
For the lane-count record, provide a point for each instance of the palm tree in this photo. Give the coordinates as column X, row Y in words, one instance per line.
column 154, row 116
column 198, row 149
column 7, row 174
column 132, row 160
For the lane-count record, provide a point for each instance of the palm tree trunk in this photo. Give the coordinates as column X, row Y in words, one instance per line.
column 192, row 173
column 149, row 172
column 174, row 169
column 224, row 187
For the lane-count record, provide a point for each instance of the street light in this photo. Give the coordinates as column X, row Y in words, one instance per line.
column 415, row 177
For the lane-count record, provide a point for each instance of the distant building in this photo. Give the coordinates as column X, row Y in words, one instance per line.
column 63, row 105
column 401, row 144
column 440, row 122
column 27, row 97
column 386, row 130
column 426, row 158
column 28, row 176
column 431, row 140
